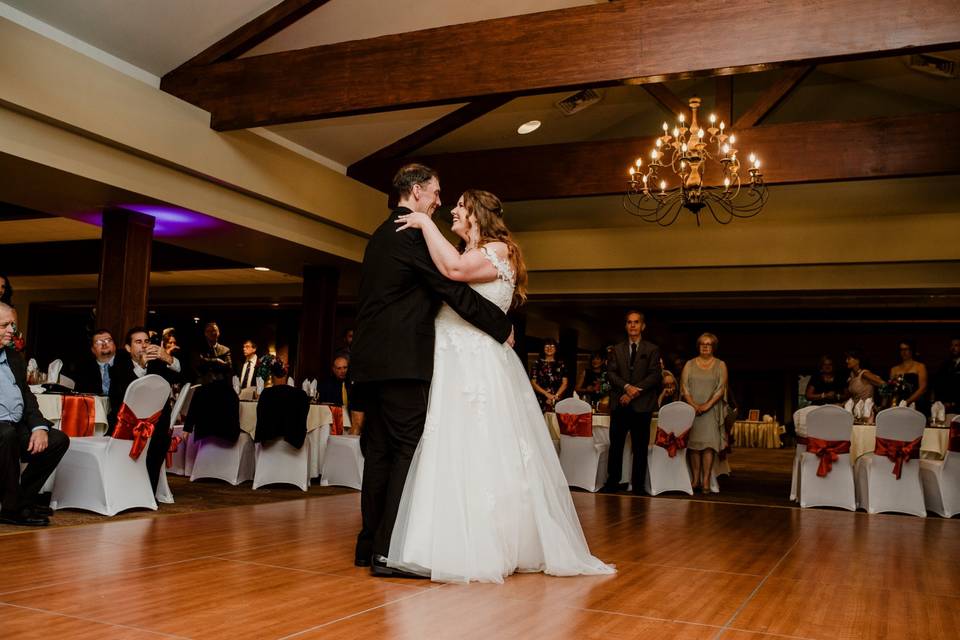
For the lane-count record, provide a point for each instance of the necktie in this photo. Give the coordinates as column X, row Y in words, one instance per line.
column 633, row 352
column 246, row 375
column 343, row 395
column 105, row 377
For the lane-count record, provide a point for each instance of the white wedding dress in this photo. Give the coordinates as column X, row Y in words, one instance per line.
column 485, row 495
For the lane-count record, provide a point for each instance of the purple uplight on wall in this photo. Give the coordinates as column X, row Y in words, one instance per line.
column 170, row 221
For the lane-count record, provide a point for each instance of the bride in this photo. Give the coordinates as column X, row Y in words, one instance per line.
column 485, row 495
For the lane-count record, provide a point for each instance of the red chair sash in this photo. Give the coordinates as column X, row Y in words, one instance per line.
column 828, row 451
column 898, row 452
column 578, row 425
column 77, row 416
column 953, row 444
column 174, row 445
column 130, row 427
column 336, row 427
column 671, row 442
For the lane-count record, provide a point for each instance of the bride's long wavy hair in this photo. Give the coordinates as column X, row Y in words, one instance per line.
column 488, row 213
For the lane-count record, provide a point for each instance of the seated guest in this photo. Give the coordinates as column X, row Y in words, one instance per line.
column 947, row 383
column 138, row 359
column 282, row 410
column 249, row 368
column 592, row 385
column 910, row 379
column 213, row 363
column 825, row 387
column 92, row 375
column 168, row 341
column 670, row 392
column 25, row 435
column 336, row 390
column 861, row 383
column 549, row 376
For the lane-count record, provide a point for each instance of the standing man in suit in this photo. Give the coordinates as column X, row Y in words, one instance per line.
column 946, row 384
column 213, row 363
column 635, row 376
column 92, row 375
column 249, row 368
column 24, row 435
column 392, row 354
column 139, row 358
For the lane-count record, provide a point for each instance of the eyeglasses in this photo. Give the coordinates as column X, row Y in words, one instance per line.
column 103, row 341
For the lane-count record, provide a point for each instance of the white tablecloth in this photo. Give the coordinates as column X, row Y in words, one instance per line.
column 51, row 406
column 933, row 445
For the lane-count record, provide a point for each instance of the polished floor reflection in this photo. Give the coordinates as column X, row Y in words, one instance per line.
column 687, row 569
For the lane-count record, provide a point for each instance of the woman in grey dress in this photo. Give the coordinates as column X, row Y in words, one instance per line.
column 703, row 384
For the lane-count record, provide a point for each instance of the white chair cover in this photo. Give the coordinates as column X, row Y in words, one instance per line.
column 941, row 482
column 97, row 473
column 232, row 462
column 584, row 462
column 53, row 370
column 342, row 463
column 836, row 489
column 878, row 490
column 800, row 425
column 277, row 462
column 318, row 448
column 663, row 472
column 67, row 382
column 164, row 495
column 180, row 408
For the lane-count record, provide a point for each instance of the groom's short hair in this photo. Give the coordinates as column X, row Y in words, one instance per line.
column 409, row 175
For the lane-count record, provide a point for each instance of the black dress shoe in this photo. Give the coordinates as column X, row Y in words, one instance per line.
column 609, row 488
column 39, row 510
column 23, row 518
column 379, row 568
column 361, row 562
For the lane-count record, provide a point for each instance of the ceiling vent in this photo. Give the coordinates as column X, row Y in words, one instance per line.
column 578, row 101
column 934, row 65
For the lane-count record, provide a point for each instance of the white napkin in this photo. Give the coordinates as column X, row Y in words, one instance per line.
column 259, row 386
column 32, row 365
column 306, row 386
column 53, row 371
column 867, row 408
column 767, row 417
column 236, row 385
column 903, row 403
column 313, row 388
column 290, row 382
column 937, row 411
column 849, row 405
column 858, row 409
column 576, row 396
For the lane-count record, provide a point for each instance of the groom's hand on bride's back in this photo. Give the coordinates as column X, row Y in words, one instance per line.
column 510, row 339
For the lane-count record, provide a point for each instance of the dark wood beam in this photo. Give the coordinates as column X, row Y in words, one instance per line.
column 792, row 76
column 248, row 36
column 668, row 100
column 791, row 153
column 590, row 45
column 724, row 99
column 424, row 136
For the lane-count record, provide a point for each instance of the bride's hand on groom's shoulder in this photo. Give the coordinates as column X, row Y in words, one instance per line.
column 412, row 220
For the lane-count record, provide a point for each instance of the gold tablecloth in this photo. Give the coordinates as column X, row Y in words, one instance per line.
column 757, row 435
column 933, row 445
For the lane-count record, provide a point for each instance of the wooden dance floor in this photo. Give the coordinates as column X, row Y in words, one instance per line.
column 687, row 569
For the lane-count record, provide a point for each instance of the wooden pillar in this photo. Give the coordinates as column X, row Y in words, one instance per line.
column 567, row 352
column 124, row 282
column 315, row 346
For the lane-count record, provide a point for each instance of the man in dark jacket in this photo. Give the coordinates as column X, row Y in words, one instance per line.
column 92, row 374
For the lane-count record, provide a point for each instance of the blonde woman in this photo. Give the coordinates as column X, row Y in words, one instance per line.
column 703, row 384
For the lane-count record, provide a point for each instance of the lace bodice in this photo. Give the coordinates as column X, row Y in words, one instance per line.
column 498, row 291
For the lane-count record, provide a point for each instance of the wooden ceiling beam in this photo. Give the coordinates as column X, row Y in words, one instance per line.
column 774, row 95
column 792, row 153
column 667, row 99
column 591, row 45
column 264, row 26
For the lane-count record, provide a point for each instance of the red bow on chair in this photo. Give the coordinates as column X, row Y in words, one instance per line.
column 828, row 451
column 174, row 445
column 898, row 452
column 671, row 442
column 336, row 428
column 576, row 424
column 77, row 415
column 130, row 427
column 953, row 444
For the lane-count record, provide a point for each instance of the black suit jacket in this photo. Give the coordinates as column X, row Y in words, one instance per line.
column 645, row 374
column 207, row 366
column 86, row 375
column 31, row 410
column 282, row 412
column 121, row 375
column 400, row 293
column 330, row 392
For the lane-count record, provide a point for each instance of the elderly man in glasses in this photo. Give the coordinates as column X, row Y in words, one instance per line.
column 92, row 374
column 25, row 435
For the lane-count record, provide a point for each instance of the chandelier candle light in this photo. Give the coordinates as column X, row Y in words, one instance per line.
column 681, row 155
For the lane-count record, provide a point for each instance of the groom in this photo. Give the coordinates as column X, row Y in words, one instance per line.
column 392, row 354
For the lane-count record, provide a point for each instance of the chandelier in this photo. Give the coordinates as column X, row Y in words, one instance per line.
column 674, row 178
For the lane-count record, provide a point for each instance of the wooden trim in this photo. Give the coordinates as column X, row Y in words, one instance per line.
column 264, row 26
column 792, row 153
column 570, row 48
column 792, row 76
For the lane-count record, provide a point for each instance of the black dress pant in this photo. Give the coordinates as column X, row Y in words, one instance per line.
column 395, row 413
column 159, row 446
column 625, row 420
column 20, row 491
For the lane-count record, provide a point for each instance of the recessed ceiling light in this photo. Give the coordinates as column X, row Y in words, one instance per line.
column 261, row 268
column 528, row 127
column 275, row 304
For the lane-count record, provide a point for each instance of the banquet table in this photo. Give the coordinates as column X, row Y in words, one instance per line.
column 758, row 435
column 51, row 406
column 933, row 445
